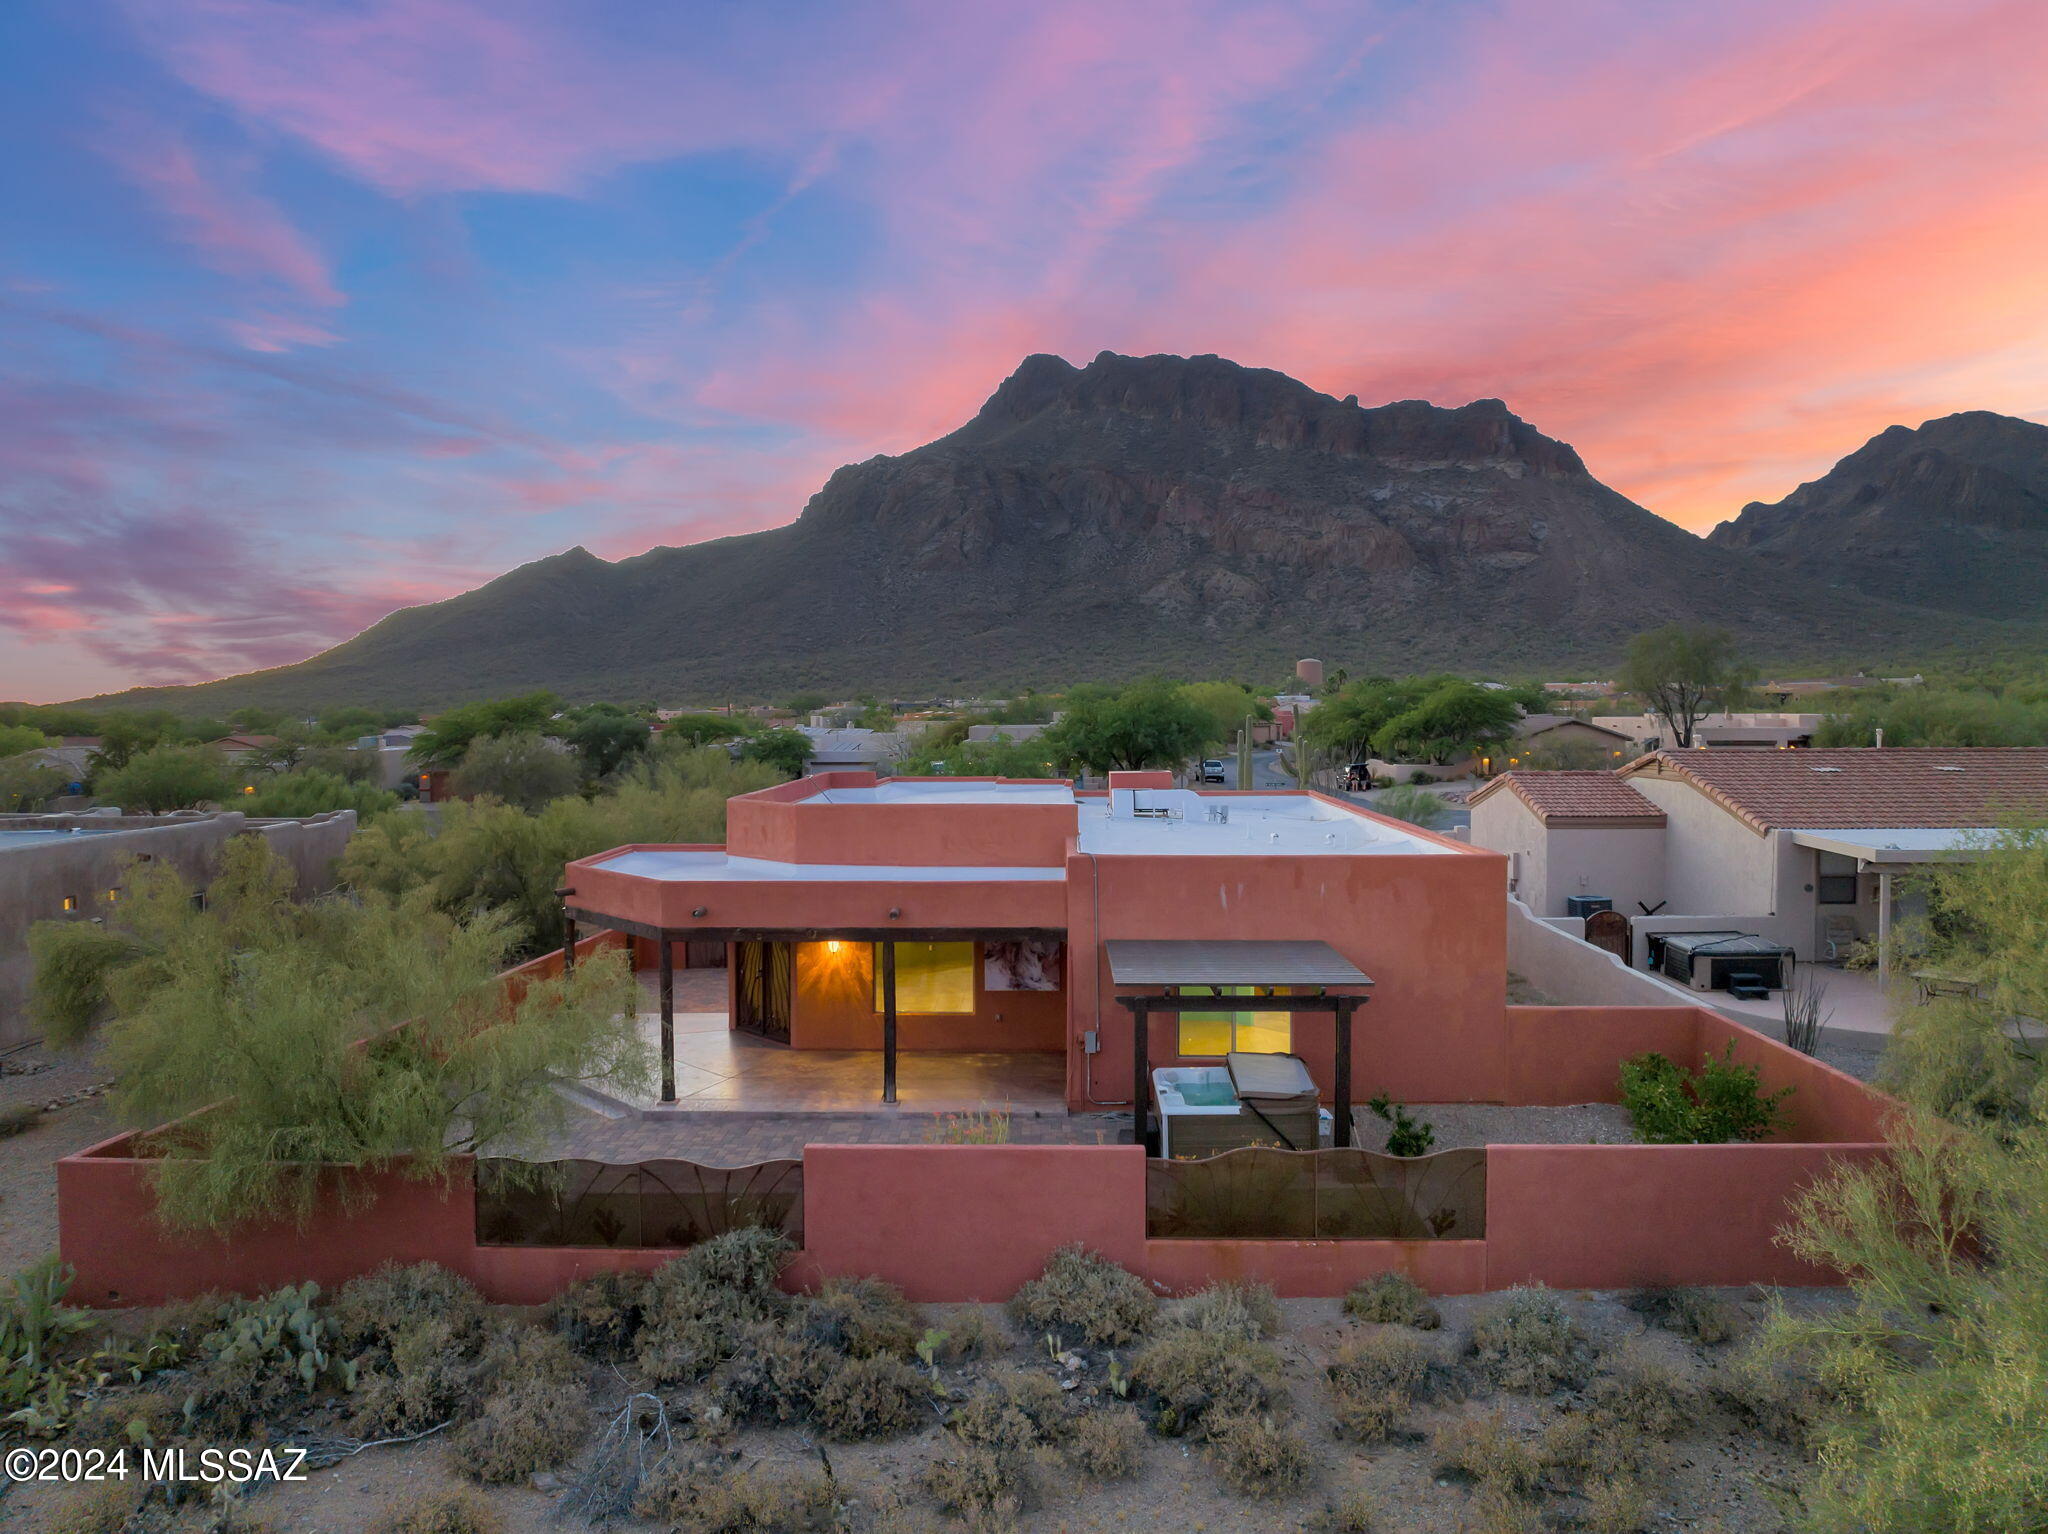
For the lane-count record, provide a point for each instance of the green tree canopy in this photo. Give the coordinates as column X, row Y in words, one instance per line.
column 606, row 737
column 368, row 1034
column 701, row 729
column 1448, row 723
column 310, row 791
column 1150, row 724
column 165, row 778
column 17, row 738
column 124, row 736
column 448, row 735
column 1344, row 724
column 805, row 703
column 1683, row 674
column 787, row 751
column 1939, row 716
column 1226, row 706
column 523, row 770
column 26, row 784
column 349, row 724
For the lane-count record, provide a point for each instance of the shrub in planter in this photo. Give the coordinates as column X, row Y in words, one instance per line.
column 1395, row 1299
column 1528, row 1341
column 1720, row 1102
column 1192, row 1376
column 1256, row 1456
column 1081, row 1297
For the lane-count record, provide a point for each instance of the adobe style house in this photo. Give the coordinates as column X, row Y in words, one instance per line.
column 1798, row 847
column 916, row 917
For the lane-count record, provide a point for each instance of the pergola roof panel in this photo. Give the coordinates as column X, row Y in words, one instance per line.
column 1228, row 961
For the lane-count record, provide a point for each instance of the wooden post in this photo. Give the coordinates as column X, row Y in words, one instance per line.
column 1141, row 1079
column 568, row 945
column 1345, row 1005
column 668, row 1020
column 888, row 1022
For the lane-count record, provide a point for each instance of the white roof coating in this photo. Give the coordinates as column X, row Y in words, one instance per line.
column 719, row 868
column 1900, row 844
column 1273, row 825
column 929, row 791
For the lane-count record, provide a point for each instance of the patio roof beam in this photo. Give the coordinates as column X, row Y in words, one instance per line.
column 702, row 934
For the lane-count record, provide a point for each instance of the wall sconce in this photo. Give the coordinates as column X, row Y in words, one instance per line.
column 832, row 945
column 698, row 911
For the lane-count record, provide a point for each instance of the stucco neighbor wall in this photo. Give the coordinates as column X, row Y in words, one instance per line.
column 1712, row 860
column 36, row 878
column 1551, row 862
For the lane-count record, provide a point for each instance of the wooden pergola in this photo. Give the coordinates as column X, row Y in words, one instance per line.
column 1197, row 971
column 885, row 938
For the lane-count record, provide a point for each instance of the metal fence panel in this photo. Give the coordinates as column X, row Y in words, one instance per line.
column 646, row 1204
column 1342, row 1195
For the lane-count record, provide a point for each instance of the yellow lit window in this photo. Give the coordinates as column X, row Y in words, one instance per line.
column 1220, row 1032
column 70, row 902
column 930, row 977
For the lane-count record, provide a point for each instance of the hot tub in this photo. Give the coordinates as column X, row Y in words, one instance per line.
column 1200, row 1101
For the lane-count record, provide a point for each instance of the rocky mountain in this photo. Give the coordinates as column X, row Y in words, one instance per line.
column 1141, row 514
column 1952, row 516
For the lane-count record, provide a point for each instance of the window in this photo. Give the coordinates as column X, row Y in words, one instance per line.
column 1220, row 1032
column 930, row 977
column 1835, row 880
column 70, row 902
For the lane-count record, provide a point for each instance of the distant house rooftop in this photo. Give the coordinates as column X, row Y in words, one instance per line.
column 1862, row 789
column 1582, row 798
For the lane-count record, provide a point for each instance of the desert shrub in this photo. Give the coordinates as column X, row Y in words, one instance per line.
column 1249, row 1311
column 1082, row 1297
column 985, row 1488
column 759, row 1499
column 1350, row 1512
column 102, row 1508
column 1257, row 1456
column 263, row 1360
column 1480, row 1448
column 696, row 1307
column 1377, row 1378
column 1528, row 1341
column 1694, row 1313
column 18, row 1118
column 600, row 1315
column 533, row 1413
column 441, row 1512
column 861, row 1317
column 1616, row 1505
column 1497, row 1510
column 871, row 1398
column 1033, row 1399
column 1591, row 1446
column 231, row 1515
column 1107, row 1445
column 1774, row 1396
column 1406, row 1134
column 1641, row 1391
column 774, row 1374
column 417, row 1336
column 1395, row 1299
column 970, row 1332
column 1720, row 1102
column 1191, row 1376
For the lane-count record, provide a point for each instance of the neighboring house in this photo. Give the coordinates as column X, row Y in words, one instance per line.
column 390, row 748
column 1538, row 732
column 977, row 733
column 1572, row 834
column 1800, row 847
column 1650, row 732
column 239, row 748
column 75, row 762
column 853, row 749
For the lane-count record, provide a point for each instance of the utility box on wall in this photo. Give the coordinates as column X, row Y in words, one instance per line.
column 1583, row 906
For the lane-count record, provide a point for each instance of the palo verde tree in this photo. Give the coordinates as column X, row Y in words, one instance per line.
column 450, row 734
column 165, row 778
column 524, row 770
column 362, row 1033
column 1684, row 674
column 1939, row 1371
column 605, row 738
column 1149, row 724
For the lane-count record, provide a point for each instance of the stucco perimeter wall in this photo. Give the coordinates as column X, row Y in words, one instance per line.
column 1570, row 970
column 34, row 880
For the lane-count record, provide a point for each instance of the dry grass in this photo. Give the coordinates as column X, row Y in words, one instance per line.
column 759, row 1499
column 1081, row 1297
column 1641, row 1391
column 1247, row 1311
column 1393, row 1299
column 970, row 1333
column 441, row 1512
column 1355, row 1511
column 1378, row 1377
column 1616, row 1505
column 985, row 1488
column 1482, row 1449
column 1774, row 1397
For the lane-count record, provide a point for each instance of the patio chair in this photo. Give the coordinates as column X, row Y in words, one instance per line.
column 1839, row 938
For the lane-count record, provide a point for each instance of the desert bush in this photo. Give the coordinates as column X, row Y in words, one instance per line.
column 1497, row 1510
column 871, row 1398
column 1107, row 1445
column 600, row 1315
column 18, row 1118
column 970, row 1332
column 1641, row 1391
column 263, row 1360
column 1480, row 1448
column 1249, row 1311
column 1081, row 1297
column 696, row 1307
column 1693, row 1313
column 1034, row 1399
column 758, row 1499
column 533, row 1413
column 1616, row 1505
column 1191, row 1376
column 417, row 1336
column 985, row 1488
column 1350, row 1512
column 1257, row 1456
column 1591, row 1446
column 1393, row 1298
column 1720, row 1102
column 1377, row 1378
column 774, row 1374
column 441, row 1512
column 861, row 1317
column 1528, row 1341
column 104, row 1508
column 1776, row 1397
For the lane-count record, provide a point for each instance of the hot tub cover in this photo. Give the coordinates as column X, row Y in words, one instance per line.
column 1270, row 1078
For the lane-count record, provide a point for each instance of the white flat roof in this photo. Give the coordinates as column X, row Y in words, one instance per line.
column 926, row 791
column 1901, row 844
column 719, row 868
column 1273, row 825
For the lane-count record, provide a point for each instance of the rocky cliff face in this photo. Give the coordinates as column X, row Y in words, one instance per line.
column 1952, row 516
column 1141, row 514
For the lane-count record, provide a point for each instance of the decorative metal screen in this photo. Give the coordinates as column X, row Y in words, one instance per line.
column 1341, row 1195
column 647, row 1204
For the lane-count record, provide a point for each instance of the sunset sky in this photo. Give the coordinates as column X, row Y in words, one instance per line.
column 311, row 310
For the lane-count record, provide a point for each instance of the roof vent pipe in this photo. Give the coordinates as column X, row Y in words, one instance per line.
column 1880, row 737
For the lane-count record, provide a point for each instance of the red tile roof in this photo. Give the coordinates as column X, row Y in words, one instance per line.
column 1860, row 786
column 1575, row 796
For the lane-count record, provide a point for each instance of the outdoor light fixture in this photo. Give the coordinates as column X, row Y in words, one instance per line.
column 699, row 911
column 832, row 946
